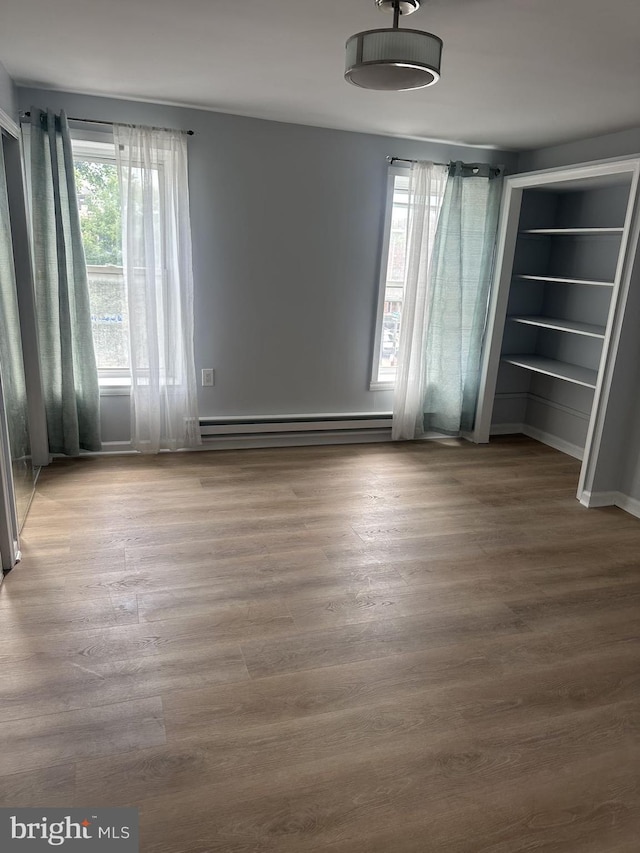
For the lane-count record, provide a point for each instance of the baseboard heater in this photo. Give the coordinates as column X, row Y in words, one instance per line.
column 268, row 430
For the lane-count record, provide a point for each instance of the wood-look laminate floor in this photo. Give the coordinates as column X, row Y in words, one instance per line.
column 385, row 648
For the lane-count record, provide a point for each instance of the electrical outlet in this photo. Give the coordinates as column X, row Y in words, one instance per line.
column 208, row 376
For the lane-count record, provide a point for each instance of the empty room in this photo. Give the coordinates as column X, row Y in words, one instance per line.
column 320, row 426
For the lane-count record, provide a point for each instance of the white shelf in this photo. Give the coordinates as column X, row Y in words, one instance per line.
column 556, row 280
column 575, row 328
column 558, row 369
column 572, row 231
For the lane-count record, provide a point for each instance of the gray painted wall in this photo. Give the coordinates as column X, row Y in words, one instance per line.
column 8, row 98
column 630, row 478
column 619, row 463
column 286, row 224
column 621, row 144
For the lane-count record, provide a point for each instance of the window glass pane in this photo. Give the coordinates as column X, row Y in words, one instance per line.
column 109, row 317
column 394, row 282
column 99, row 207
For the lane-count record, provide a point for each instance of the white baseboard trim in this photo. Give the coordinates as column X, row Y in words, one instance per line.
column 539, row 435
column 628, row 504
column 110, row 447
column 596, row 499
column 554, row 441
column 289, row 430
column 533, row 432
column 506, row 429
column 234, row 442
column 625, row 502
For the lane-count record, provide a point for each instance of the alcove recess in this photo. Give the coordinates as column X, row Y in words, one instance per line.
column 560, row 284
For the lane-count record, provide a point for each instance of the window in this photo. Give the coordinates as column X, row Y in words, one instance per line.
column 100, row 220
column 392, row 275
column 99, row 206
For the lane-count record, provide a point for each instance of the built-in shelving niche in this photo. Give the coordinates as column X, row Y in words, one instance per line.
column 561, row 254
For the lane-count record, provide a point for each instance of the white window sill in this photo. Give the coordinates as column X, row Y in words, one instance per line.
column 115, row 386
column 382, row 386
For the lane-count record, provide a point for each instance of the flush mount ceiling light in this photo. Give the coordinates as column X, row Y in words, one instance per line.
column 394, row 60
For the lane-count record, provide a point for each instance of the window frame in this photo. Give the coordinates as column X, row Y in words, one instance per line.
column 99, row 146
column 376, row 384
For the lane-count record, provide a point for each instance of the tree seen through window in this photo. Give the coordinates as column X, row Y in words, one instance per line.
column 100, row 220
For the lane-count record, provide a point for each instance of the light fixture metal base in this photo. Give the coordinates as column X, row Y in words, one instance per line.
column 407, row 7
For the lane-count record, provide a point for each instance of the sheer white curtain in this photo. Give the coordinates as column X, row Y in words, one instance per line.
column 152, row 169
column 426, row 190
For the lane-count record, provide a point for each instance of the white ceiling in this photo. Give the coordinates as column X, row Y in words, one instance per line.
column 515, row 73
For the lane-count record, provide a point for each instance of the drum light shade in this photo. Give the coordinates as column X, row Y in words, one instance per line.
column 393, row 60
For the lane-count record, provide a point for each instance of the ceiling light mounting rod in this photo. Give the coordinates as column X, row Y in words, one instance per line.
column 392, row 59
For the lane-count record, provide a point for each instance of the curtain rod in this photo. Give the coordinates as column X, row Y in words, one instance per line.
column 27, row 114
column 391, row 160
